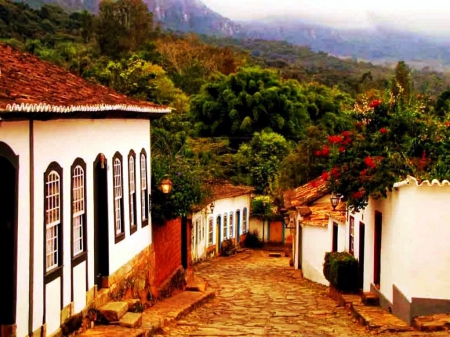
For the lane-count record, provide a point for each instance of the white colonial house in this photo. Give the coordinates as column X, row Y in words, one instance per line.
column 402, row 242
column 75, row 184
column 318, row 228
column 224, row 216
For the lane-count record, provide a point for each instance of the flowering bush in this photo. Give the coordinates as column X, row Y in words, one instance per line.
column 388, row 142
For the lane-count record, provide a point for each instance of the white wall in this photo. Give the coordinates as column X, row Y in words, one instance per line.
column 415, row 253
column 63, row 141
column 16, row 135
column 221, row 207
column 316, row 242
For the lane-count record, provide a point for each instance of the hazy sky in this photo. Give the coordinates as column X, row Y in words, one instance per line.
column 428, row 16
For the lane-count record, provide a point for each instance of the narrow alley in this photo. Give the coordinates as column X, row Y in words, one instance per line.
column 258, row 295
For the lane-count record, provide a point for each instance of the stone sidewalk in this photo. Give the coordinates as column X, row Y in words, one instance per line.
column 155, row 318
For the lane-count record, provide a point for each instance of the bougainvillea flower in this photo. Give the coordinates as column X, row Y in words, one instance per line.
column 369, row 162
column 375, row 103
column 358, row 194
column 383, row 130
column 334, row 139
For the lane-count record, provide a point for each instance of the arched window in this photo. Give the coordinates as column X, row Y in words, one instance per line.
column 132, row 190
column 144, row 190
column 53, row 217
column 244, row 220
column 119, row 229
column 78, row 207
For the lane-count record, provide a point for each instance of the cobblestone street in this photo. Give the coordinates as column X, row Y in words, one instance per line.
column 257, row 295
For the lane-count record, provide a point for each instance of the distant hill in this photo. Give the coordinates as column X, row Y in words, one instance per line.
column 380, row 45
column 191, row 16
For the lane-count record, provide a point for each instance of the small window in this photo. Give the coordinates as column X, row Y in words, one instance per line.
column 231, row 225
column 144, row 190
column 351, row 244
column 132, row 191
column 244, row 220
column 210, row 231
column 225, row 227
column 118, row 197
column 53, row 217
column 78, row 208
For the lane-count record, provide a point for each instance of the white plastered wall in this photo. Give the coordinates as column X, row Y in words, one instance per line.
column 16, row 136
column 63, row 141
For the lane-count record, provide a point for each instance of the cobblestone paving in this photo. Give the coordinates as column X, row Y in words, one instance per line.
column 261, row 296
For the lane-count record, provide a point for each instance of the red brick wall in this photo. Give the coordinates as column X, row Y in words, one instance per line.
column 189, row 247
column 167, row 244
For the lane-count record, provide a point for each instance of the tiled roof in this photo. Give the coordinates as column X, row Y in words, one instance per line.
column 224, row 190
column 306, row 194
column 31, row 87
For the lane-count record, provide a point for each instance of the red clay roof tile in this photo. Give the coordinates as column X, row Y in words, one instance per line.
column 29, row 84
column 306, row 194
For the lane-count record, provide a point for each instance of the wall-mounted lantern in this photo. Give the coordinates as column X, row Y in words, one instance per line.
column 165, row 185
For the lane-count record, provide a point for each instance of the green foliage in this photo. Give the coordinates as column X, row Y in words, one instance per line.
column 302, row 165
column 122, row 26
column 392, row 139
column 253, row 239
column 261, row 207
column 172, row 156
column 261, row 159
column 252, row 100
column 341, row 270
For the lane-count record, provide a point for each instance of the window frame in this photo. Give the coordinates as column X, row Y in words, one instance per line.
column 118, row 236
column 231, row 224
column 132, row 192
column 145, row 210
column 225, row 227
column 56, row 271
column 244, row 220
column 210, row 231
column 82, row 255
column 351, row 234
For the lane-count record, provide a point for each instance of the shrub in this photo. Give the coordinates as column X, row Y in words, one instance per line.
column 227, row 247
column 341, row 270
column 252, row 240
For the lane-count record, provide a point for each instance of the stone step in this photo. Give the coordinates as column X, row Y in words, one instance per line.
column 437, row 322
column 113, row 311
column 197, row 284
column 131, row 320
column 370, row 299
column 377, row 319
column 274, row 254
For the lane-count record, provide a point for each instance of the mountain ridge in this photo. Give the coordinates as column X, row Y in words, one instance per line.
column 380, row 44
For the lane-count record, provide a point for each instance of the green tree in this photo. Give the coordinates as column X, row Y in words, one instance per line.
column 171, row 156
column 260, row 160
column 122, row 26
column 401, row 84
column 252, row 100
column 391, row 140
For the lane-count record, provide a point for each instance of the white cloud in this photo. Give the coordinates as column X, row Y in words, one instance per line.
column 430, row 16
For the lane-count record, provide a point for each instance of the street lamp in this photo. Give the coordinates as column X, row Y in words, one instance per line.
column 165, row 185
column 334, row 199
column 285, row 217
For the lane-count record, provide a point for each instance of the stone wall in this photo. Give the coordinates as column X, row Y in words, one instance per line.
column 135, row 278
column 167, row 245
